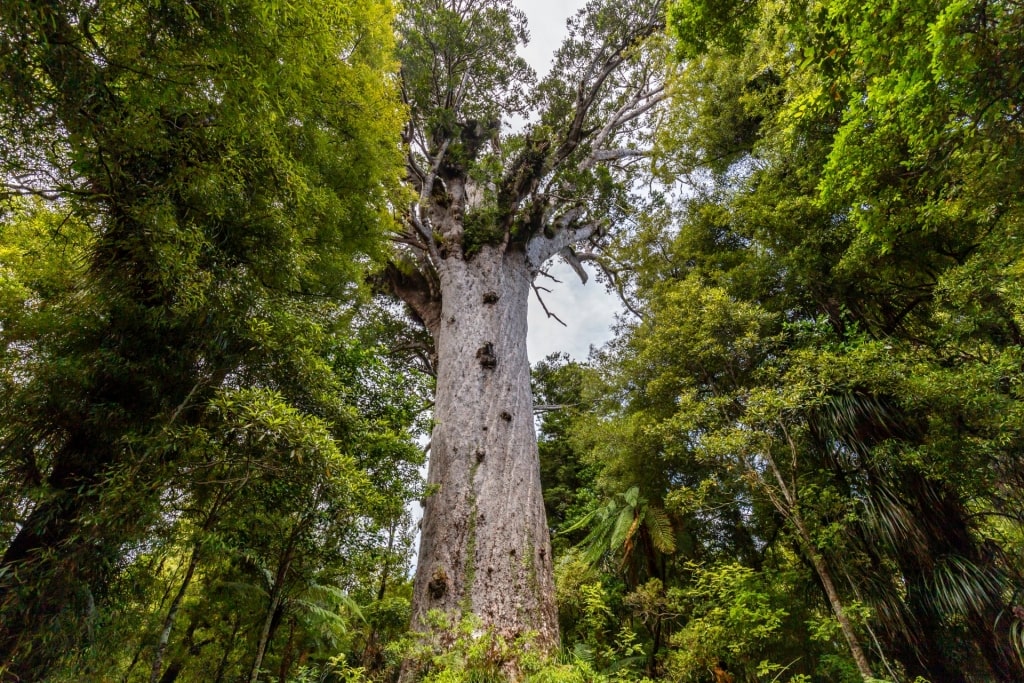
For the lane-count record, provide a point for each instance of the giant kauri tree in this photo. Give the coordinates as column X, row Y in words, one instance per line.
column 491, row 208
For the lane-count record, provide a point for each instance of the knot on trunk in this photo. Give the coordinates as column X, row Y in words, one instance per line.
column 506, row 416
column 490, row 298
column 486, row 355
column 438, row 585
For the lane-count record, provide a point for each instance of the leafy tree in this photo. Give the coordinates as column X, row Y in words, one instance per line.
column 825, row 301
column 212, row 174
column 568, row 480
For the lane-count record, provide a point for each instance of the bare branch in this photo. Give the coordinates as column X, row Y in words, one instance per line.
column 549, row 276
column 550, row 408
column 588, row 94
column 584, row 102
column 536, row 290
column 614, row 278
column 428, row 182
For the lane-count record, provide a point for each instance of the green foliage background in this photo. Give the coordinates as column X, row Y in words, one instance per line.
column 207, row 422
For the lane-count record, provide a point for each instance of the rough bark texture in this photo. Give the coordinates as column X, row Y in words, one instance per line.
column 485, row 546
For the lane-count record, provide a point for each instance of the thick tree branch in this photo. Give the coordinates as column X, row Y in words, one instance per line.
column 612, row 155
column 420, row 292
column 543, row 157
column 425, row 234
column 589, row 94
column 570, row 257
column 541, row 247
column 636, row 107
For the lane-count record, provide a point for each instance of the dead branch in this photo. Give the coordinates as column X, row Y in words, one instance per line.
column 536, row 290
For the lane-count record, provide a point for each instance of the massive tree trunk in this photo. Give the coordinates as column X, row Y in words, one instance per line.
column 485, row 546
column 492, row 208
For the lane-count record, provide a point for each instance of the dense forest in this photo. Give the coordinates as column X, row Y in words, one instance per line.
column 262, row 261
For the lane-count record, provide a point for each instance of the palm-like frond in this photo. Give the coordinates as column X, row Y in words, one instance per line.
column 326, row 623
column 890, row 521
column 660, row 529
column 1017, row 638
column 615, row 523
column 326, row 611
column 961, row 587
column 625, row 527
column 334, row 596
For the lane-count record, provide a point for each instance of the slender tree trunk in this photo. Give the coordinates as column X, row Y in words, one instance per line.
column 485, row 547
column 229, row 647
column 790, row 508
column 172, row 613
column 190, row 649
column 835, row 602
column 287, row 657
column 276, row 592
column 372, row 658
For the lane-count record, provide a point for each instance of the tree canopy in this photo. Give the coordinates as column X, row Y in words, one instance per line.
column 798, row 459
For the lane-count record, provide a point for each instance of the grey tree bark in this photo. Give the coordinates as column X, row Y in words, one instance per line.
column 485, row 546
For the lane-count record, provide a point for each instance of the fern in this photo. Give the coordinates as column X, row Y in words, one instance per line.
column 660, row 529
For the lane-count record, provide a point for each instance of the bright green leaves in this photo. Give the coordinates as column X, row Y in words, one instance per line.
column 459, row 63
column 866, row 210
column 698, row 26
column 241, row 115
column 42, row 256
column 731, row 613
column 210, row 182
column 928, row 137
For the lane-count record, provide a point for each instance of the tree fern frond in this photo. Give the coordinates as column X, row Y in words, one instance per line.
column 582, row 522
column 583, row 653
column 632, row 496
column 622, row 529
column 325, row 594
column 660, row 528
column 325, row 622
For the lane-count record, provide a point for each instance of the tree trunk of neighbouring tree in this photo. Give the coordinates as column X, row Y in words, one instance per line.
column 485, row 547
column 789, row 507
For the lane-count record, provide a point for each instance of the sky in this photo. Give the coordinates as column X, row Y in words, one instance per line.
column 588, row 310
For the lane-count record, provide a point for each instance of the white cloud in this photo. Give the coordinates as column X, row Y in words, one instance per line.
column 587, row 310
